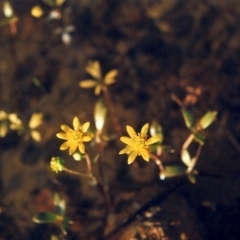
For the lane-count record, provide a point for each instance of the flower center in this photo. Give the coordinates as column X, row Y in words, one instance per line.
column 139, row 143
column 77, row 135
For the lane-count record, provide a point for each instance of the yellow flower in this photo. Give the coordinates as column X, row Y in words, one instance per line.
column 56, row 164
column 75, row 137
column 138, row 144
column 94, row 69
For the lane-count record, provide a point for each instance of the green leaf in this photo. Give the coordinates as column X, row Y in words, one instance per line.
column 185, row 156
column 199, row 137
column 207, row 119
column 47, row 217
column 172, row 171
column 188, row 118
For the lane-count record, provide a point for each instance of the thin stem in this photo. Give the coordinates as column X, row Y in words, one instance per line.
column 176, row 100
column 195, row 159
column 77, row 173
column 157, row 161
column 111, row 109
column 188, row 141
column 103, row 177
column 89, row 165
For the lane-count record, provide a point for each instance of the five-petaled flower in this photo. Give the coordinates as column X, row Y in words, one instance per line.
column 138, row 144
column 94, row 69
column 75, row 137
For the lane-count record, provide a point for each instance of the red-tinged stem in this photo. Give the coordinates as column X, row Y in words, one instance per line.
column 157, row 161
column 77, row 173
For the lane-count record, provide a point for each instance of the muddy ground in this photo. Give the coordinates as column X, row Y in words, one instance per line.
column 162, row 47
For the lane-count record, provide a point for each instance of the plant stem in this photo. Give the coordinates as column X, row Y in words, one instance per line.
column 77, row 173
column 177, row 100
column 157, row 161
column 89, row 165
column 188, row 141
column 195, row 159
column 112, row 110
column 103, row 176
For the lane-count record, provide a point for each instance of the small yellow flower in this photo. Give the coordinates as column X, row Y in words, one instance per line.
column 75, row 137
column 56, row 164
column 138, row 144
column 94, row 69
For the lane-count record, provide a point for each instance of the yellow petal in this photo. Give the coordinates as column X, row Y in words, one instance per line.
column 110, row 77
column 109, row 81
column 64, row 146
column 145, row 154
column 86, row 138
column 62, row 135
column 111, row 74
column 131, row 132
column 152, row 140
column 76, row 123
column 66, row 128
column 85, row 126
column 14, row 119
column 127, row 140
column 89, row 134
column 35, row 120
column 97, row 89
column 3, row 130
column 72, row 149
column 125, row 150
column 36, row 135
column 144, row 130
column 94, row 69
column 88, row 83
column 81, row 148
column 132, row 157
column 3, row 115
column 37, row 11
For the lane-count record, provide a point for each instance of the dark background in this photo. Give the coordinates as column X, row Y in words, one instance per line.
column 160, row 48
